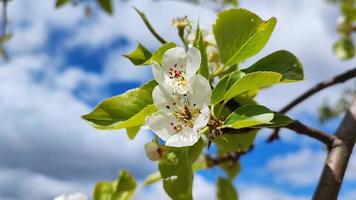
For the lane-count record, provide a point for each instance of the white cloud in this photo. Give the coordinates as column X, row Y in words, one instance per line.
column 255, row 192
column 303, row 168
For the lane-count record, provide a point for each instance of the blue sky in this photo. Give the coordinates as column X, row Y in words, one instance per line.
column 62, row 64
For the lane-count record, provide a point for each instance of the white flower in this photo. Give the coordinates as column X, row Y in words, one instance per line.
column 181, row 116
column 178, row 67
column 77, row 196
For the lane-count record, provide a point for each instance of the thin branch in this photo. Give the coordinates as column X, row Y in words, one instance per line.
column 317, row 88
column 338, row 157
column 230, row 156
column 320, row 86
column 301, row 128
column 150, row 27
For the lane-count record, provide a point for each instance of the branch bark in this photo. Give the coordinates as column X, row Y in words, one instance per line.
column 317, row 88
column 300, row 128
column 338, row 157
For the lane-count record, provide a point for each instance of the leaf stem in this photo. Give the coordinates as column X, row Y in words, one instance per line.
column 149, row 26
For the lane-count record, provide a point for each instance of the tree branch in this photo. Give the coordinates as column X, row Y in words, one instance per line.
column 317, row 88
column 338, row 157
column 230, row 156
column 300, row 128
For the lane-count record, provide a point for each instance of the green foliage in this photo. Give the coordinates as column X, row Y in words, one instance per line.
column 199, row 43
column 248, row 116
column 132, row 131
column 176, row 170
column 125, row 110
column 224, row 85
column 282, row 62
column 279, row 120
column 157, row 55
column 235, row 142
column 344, row 48
column 251, row 83
column 241, row 34
column 140, row 55
column 60, row 3
column 232, row 168
column 106, row 5
column 120, row 189
column 225, row 190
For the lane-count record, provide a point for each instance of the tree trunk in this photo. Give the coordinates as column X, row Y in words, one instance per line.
column 338, row 157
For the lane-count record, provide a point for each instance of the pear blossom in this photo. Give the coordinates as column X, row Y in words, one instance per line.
column 77, row 196
column 178, row 67
column 180, row 117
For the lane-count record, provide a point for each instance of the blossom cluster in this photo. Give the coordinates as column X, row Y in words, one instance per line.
column 181, row 96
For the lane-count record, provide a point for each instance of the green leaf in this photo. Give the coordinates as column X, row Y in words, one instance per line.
column 157, row 56
column 140, row 55
column 123, row 111
column 344, row 48
column 240, row 34
column 224, row 85
column 199, row 43
column 106, row 5
column 349, row 11
column 279, row 120
column 248, row 116
column 6, row 37
column 195, row 150
column 225, row 190
column 60, row 3
column 176, row 171
column 235, row 142
column 152, row 178
column 132, row 131
column 282, row 62
column 232, row 168
column 120, row 189
column 252, row 82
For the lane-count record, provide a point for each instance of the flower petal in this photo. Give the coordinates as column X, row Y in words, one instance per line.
column 158, row 73
column 163, row 100
column 200, row 90
column 193, row 63
column 185, row 137
column 159, row 123
column 202, row 120
column 174, row 56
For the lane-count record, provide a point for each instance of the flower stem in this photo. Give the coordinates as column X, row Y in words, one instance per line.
column 149, row 26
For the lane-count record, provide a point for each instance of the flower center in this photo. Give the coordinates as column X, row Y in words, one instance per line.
column 177, row 76
column 185, row 116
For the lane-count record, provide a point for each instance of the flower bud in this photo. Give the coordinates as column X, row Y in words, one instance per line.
column 181, row 22
column 153, row 151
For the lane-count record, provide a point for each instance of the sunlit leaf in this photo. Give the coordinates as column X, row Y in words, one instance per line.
column 282, row 62
column 225, row 190
column 140, row 55
column 240, row 34
column 123, row 111
column 199, row 43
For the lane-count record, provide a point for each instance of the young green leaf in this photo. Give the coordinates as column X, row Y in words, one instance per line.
column 344, row 48
column 279, row 120
column 106, row 5
column 224, row 85
column 120, row 189
column 282, row 62
column 235, row 142
column 140, row 55
column 60, row 3
column 158, row 54
column 176, row 171
column 132, row 132
column 252, row 82
column 240, row 34
column 248, row 116
column 225, row 190
column 123, row 111
column 231, row 168
column 199, row 44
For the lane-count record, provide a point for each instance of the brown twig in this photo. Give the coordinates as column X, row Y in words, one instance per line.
column 320, row 86
column 230, row 156
column 300, row 128
column 338, row 157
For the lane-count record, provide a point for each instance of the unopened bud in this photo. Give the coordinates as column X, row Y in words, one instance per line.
column 181, row 22
column 153, row 151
